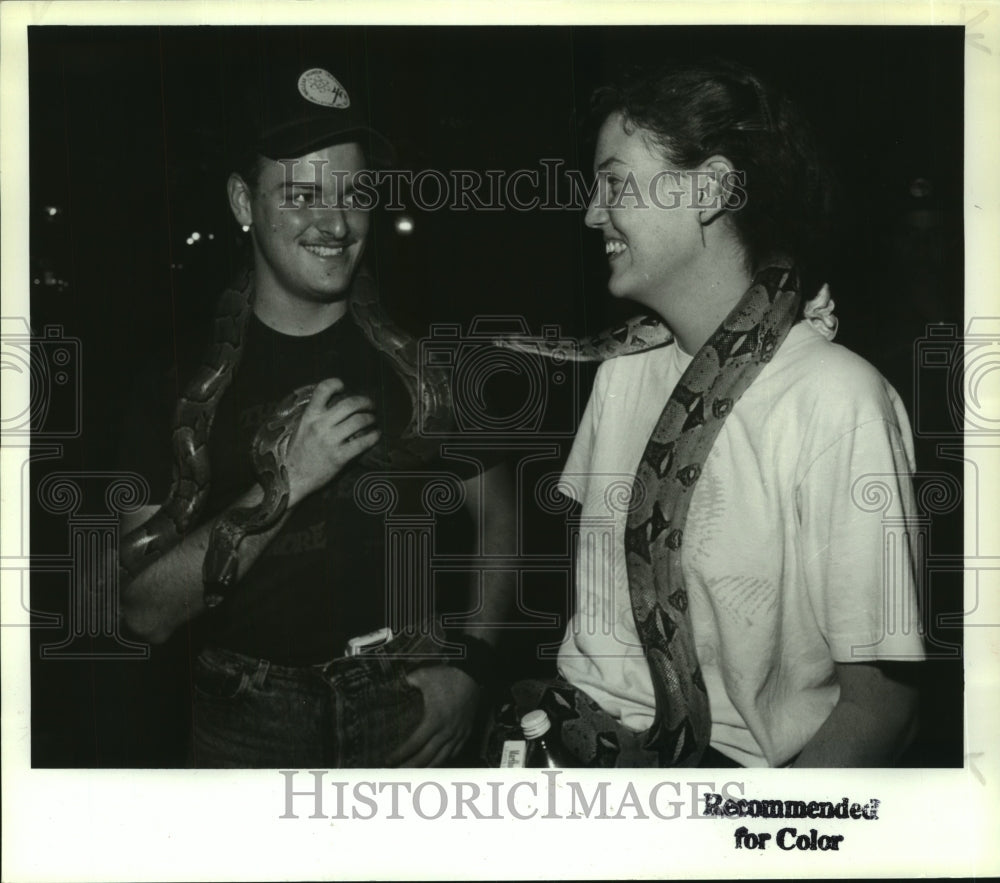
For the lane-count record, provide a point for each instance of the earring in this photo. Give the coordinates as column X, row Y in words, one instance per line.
column 701, row 228
column 246, row 228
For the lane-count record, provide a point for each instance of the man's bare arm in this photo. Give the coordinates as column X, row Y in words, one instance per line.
column 492, row 508
column 169, row 592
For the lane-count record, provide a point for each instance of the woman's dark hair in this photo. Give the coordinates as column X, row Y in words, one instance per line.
column 693, row 111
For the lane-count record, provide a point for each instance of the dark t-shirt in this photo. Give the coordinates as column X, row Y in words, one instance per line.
column 321, row 580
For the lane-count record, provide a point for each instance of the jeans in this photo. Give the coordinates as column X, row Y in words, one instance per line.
column 351, row 712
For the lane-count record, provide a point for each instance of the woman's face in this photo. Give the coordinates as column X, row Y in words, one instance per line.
column 648, row 214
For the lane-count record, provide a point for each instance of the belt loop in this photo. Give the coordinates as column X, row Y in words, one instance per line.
column 260, row 675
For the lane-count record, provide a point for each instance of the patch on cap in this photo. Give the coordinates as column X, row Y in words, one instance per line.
column 321, row 87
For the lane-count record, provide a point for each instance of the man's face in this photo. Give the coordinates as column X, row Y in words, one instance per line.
column 303, row 250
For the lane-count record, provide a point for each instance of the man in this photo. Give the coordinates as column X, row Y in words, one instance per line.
column 273, row 686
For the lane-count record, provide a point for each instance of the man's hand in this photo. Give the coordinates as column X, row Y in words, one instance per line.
column 332, row 432
column 450, row 701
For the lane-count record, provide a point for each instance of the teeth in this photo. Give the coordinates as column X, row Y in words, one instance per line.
column 614, row 246
column 322, row 251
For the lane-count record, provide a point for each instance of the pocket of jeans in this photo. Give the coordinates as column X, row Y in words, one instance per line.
column 415, row 704
column 374, row 715
column 214, row 682
column 404, row 708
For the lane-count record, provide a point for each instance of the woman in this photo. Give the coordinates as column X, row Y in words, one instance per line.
column 742, row 616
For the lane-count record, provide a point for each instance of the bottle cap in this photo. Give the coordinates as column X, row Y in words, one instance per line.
column 535, row 723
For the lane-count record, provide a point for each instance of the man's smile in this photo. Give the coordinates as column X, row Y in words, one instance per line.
column 325, row 251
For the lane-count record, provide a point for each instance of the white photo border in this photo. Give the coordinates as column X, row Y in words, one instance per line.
column 186, row 825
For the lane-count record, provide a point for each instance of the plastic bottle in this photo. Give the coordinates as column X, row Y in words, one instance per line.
column 545, row 749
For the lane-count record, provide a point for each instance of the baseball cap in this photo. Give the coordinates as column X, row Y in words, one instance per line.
column 293, row 109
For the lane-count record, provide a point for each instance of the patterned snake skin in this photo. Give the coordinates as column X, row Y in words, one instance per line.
column 719, row 373
column 430, row 396
column 637, row 335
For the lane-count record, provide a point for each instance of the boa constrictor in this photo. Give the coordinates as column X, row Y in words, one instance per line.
column 637, row 335
column 431, row 414
column 641, row 333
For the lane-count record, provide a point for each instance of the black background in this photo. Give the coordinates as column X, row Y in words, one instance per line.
column 127, row 140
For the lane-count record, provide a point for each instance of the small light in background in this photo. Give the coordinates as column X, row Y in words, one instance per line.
column 921, row 188
column 51, row 210
column 404, row 225
column 196, row 236
column 211, row 236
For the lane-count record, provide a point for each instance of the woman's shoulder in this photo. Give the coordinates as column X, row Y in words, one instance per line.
column 814, row 361
column 816, row 393
column 809, row 371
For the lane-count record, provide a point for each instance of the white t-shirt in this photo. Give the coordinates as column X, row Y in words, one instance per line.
column 793, row 558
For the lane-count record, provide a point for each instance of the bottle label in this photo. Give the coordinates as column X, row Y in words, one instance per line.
column 514, row 754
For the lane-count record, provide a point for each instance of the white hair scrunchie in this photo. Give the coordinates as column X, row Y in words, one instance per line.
column 818, row 312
